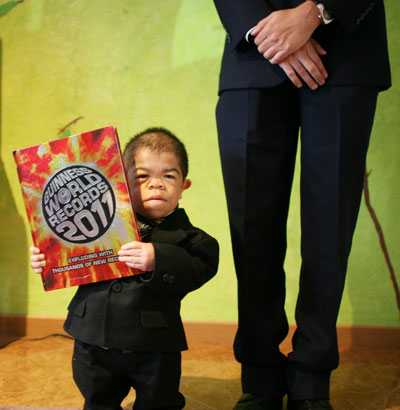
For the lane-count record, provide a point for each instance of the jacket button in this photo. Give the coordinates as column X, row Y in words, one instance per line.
column 171, row 279
column 165, row 277
column 116, row 287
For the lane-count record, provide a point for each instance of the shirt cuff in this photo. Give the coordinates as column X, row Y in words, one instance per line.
column 248, row 34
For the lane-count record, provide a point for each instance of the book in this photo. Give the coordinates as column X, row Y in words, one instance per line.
column 79, row 207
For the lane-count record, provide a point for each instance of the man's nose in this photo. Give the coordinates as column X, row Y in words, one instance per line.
column 156, row 183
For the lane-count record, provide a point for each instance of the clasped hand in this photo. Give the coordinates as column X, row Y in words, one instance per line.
column 284, row 38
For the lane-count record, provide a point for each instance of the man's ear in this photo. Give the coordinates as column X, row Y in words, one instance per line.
column 187, row 183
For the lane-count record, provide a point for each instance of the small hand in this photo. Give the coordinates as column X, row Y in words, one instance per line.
column 38, row 261
column 138, row 255
column 284, row 32
column 306, row 64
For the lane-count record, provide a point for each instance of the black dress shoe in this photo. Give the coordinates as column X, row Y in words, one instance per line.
column 252, row 402
column 309, row 405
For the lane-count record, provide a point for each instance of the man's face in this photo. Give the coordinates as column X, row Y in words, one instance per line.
column 156, row 182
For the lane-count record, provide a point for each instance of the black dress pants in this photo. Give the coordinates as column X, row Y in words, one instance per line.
column 258, row 136
column 105, row 377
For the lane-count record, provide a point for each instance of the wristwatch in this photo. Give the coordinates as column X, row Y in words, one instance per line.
column 325, row 15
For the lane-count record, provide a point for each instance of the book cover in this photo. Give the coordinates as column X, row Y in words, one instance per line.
column 79, row 207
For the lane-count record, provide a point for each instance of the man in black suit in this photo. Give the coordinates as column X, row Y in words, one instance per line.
column 290, row 65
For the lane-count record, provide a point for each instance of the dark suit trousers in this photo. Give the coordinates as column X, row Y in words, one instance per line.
column 258, row 137
column 105, row 376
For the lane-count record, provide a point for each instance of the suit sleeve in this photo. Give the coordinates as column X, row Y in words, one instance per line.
column 351, row 14
column 239, row 16
column 180, row 270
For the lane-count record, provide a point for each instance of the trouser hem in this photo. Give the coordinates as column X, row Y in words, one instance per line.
column 304, row 383
column 263, row 381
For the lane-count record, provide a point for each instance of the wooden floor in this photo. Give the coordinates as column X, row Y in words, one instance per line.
column 37, row 375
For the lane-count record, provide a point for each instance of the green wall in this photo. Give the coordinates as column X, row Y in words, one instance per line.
column 140, row 64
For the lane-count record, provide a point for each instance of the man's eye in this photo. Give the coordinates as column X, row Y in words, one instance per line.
column 141, row 176
column 169, row 176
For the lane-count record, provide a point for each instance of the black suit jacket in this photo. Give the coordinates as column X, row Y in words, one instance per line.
column 142, row 313
column 355, row 42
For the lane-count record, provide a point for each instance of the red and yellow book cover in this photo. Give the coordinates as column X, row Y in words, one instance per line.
column 79, row 207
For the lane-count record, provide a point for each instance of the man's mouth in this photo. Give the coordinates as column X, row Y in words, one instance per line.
column 155, row 198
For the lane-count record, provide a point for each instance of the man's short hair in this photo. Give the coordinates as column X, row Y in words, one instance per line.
column 157, row 139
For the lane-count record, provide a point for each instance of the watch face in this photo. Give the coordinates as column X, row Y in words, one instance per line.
column 327, row 14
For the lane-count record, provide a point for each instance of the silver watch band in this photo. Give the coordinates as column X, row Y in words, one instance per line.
column 324, row 14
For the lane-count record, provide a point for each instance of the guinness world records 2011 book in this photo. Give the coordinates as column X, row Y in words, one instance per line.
column 79, row 207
